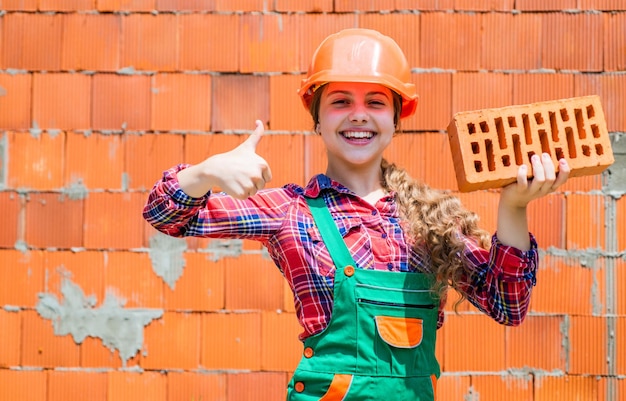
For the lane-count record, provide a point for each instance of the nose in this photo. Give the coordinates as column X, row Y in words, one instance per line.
column 358, row 114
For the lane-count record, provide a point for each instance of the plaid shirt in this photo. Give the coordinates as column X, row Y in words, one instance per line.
column 500, row 279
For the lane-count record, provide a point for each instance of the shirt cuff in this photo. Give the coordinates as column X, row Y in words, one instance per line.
column 512, row 264
column 171, row 187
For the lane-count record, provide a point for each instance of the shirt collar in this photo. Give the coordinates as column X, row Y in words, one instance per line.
column 321, row 182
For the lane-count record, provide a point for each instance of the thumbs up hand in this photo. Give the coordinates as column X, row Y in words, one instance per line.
column 240, row 172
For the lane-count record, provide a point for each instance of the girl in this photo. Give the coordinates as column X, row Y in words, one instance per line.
column 367, row 251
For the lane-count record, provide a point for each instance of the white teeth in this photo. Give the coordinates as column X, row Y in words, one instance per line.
column 358, row 134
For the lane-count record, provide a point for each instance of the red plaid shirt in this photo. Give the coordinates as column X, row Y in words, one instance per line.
column 500, row 280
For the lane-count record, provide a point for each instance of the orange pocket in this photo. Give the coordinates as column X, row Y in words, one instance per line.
column 400, row 332
column 338, row 388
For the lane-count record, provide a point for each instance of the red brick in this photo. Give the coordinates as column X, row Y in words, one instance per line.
column 133, row 386
column 452, row 387
column 200, row 147
column 62, row 101
column 285, row 156
column 94, row 354
column 584, row 222
column 538, row 342
column 485, row 205
column 288, row 305
column 209, row 42
column 363, row 5
column 22, row 277
column 10, row 338
column 531, row 88
column 566, row 388
column 181, row 102
column 23, row 385
column 588, row 345
column 572, row 41
column 42, row 347
column 185, row 5
column 19, row 5
column 620, row 336
column 10, row 206
column 450, row 40
column 500, row 387
column 474, row 91
column 567, row 287
column 54, row 220
column 38, row 164
column 286, row 109
column 126, row 5
column 94, row 161
column 281, row 349
column 149, row 42
column 200, row 287
column 620, row 221
column 129, row 277
column 172, row 342
column 434, row 107
column 32, row 41
column 245, row 386
column 252, row 282
column 66, row 5
column 147, row 156
column 231, row 341
column 546, row 221
column 15, row 104
column 113, row 220
column 74, row 385
column 615, row 42
column 483, row 5
column 311, row 6
column 269, row 43
column 186, row 386
column 583, row 140
column 539, row 5
column 235, row 104
column 425, row 5
column 473, row 342
column 605, row 5
column 91, row 42
column 612, row 90
column 121, row 102
column 241, row 5
column 511, row 41
column 313, row 28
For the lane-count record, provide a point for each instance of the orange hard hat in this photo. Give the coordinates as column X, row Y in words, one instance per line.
column 360, row 55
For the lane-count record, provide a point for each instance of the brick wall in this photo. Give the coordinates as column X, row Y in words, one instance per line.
column 97, row 97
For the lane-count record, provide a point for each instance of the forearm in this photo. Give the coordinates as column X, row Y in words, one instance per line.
column 513, row 226
column 194, row 181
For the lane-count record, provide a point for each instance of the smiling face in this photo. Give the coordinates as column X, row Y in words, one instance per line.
column 356, row 122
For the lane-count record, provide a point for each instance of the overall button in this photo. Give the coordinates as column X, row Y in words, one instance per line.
column 299, row 387
column 308, row 352
column 348, row 271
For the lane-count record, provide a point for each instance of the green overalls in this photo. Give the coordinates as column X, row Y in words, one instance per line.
column 380, row 342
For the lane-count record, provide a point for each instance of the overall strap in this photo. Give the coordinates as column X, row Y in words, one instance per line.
column 330, row 233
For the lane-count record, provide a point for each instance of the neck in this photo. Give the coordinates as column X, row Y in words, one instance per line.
column 366, row 182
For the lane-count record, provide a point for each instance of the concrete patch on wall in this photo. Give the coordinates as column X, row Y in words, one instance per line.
column 3, row 159
column 615, row 183
column 167, row 257
column 221, row 248
column 118, row 328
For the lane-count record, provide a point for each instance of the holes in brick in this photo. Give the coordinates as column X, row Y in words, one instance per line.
column 559, row 153
column 484, row 127
column 586, row 150
column 595, row 131
column 539, row 118
column 554, row 127
column 530, row 155
column 471, row 128
column 501, row 133
column 564, row 115
column 545, row 143
column 478, row 166
column 599, row 150
column 527, row 134
column 491, row 163
column 517, row 150
column 506, row 160
column 512, row 122
column 571, row 146
column 591, row 113
column 580, row 123
column 475, row 148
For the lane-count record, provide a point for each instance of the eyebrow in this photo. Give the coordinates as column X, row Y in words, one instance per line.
column 342, row 92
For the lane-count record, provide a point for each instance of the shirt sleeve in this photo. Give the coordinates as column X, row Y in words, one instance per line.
column 171, row 211
column 500, row 280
